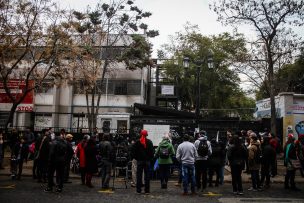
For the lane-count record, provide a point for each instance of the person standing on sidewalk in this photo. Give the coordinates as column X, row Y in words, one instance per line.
column 21, row 154
column 42, row 148
column 58, row 151
column 254, row 155
column 204, row 150
column 164, row 153
column 186, row 154
column 80, row 153
column 143, row 152
column 237, row 156
column 268, row 163
column 68, row 157
column 290, row 157
column 106, row 153
column 90, row 161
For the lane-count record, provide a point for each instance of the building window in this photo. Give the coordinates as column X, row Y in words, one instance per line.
column 45, row 87
column 134, row 87
column 120, row 88
column 112, row 87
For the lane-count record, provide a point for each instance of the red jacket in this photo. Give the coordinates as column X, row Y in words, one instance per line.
column 81, row 154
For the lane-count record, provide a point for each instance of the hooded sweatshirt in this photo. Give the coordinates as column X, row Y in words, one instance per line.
column 186, row 153
column 165, row 143
column 196, row 144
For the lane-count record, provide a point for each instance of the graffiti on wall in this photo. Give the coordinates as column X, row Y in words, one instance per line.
column 299, row 127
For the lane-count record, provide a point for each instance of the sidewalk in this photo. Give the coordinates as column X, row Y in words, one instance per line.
column 27, row 171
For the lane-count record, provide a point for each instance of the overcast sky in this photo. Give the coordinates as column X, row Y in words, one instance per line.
column 169, row 17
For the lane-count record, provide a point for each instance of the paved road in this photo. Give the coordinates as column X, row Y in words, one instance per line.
column 27, row 190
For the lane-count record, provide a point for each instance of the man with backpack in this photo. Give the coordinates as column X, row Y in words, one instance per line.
column 164, row 153
column 204, row 150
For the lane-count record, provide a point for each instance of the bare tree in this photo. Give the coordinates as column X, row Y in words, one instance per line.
column 105, row 39
column 32, row 43
column 276, row 41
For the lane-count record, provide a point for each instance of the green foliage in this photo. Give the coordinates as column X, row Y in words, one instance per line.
column 138, row 53
column 219, row 86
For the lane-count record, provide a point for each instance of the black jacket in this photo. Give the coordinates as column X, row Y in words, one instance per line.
column 237, row 155
column 58, row 151
column 90, row 158
column 21, row 151
column 45, row 148
column 106, row 151
column 268, row 155
column 140, row 153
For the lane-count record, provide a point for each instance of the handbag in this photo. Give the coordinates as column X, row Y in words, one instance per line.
column 295, row 163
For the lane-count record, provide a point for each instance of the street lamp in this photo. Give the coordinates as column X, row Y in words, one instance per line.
column 198, row 63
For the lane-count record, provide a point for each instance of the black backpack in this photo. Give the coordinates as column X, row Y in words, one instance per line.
column 203, row 148
column 164, row 152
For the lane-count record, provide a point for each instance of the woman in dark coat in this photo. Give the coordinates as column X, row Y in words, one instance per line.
column 91, row 161
column 237, row 154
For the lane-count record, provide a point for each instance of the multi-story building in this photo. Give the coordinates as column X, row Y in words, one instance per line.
column 65, row 106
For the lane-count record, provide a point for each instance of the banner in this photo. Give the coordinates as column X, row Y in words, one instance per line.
column 17, row 88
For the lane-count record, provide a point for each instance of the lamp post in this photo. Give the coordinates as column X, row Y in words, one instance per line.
column 198, row 63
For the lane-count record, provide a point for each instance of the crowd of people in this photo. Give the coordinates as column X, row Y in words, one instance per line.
column 200, row 161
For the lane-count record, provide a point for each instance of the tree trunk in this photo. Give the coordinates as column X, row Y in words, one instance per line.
column 10, row 116
column 272, row 94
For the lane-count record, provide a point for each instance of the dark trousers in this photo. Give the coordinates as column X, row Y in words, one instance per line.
column 42, row 170
column 20, row 167
column 290, row 178
column 236, row 174
column 201, row 167
column 217, row 170
column 265, row 174
column 82, row 171
column 35, row 168
column 255, row 179
column 59, row 168
column 164, row 173
column 67, row 170
column 105, row 173
column 143, row 166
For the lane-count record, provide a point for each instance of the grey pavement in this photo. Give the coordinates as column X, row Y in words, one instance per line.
column 27, row 172
column 28, row 190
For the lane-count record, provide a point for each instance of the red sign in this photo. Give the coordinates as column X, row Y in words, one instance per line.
column 16, row 88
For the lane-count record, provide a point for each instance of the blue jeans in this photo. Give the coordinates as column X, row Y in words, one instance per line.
column 188, row 171
column 255, row 179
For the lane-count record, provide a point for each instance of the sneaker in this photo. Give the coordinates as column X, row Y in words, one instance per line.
column 133, row 185
column 260, row 189
column 252, row 189
column 147, row 193
column 235, row 192
column 48, row 189
column 240, row 193
column 58, row 190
